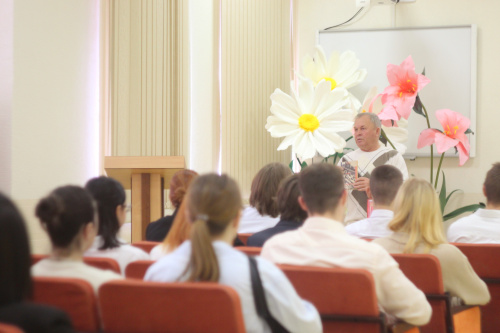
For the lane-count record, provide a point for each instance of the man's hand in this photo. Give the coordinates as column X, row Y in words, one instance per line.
column 362, row 184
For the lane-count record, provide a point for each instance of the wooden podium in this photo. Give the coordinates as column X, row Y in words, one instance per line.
column 146, row 176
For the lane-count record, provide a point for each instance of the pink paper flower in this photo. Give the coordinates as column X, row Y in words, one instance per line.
column 399, row 97
column 453, row 135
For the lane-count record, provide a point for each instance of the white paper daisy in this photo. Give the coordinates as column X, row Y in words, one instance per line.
column 341, row 70
column 398, row 135
column 310, row 118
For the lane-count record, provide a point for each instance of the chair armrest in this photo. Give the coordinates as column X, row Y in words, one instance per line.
column 402, row 327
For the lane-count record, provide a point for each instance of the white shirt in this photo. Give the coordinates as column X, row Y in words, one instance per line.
column 251, row 221
column 123, row 254
column 284, row 304
column 367, row 161
column 324, row 242
column 158, row 251
column 481, row 227
column 74, row 269
column 373, row 227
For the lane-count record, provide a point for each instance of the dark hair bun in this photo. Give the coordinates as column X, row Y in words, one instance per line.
column 49, row 209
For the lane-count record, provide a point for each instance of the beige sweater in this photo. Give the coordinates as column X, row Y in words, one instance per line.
column 459, row 278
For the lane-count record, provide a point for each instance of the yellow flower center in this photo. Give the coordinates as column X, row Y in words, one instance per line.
column 332, row 81
column 407, row 87
column 308, row 122
column 449, row 131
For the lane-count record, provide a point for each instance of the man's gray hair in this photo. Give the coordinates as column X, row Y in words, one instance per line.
column 373, row 118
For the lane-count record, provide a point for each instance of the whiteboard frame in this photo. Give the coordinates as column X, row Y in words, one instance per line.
column 473, row 80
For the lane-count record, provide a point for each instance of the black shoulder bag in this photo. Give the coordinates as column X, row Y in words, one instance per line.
column 260, row 299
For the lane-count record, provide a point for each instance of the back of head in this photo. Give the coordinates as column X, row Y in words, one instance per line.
column 15, row 260
column 385, row 181
column 265, row 187
column 213, row 203
column 492, row 185
column 417, row 212
column 179, row 185
column 108, row 194
column 288, row 195
column 321, row 186
column 64, row 213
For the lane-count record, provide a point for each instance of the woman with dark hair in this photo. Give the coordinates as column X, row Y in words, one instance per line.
column 110, row 198
column 291, row 214
column 263, row 212
column 68, row 216
column 158, row 230
column 15, row 279
column 213, row 207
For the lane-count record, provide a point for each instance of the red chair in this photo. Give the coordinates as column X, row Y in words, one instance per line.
column 484, row 258
column 249, row 250
column 424, row 270
column 137, row 306
column 7, row 328
column 137, row 269
column 98, row 262
column 75, row 296
column 146, row 246
column 244, row 237
column 345, row 298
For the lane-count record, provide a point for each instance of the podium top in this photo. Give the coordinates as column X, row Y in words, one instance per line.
column 122, row 168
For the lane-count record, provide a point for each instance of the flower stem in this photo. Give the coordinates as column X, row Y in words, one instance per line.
column 387, row 138
column 432, row 147
column 439, row 168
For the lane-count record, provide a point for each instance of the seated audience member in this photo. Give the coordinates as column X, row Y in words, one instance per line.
column 418, row 228
column 69, row 217
column 179, row 233
column 484, row 225
column 110, row 198
column 385, row 181
column 323, row 241
column 262, row 213
column 158, row 230
column 291, row 214
column 15, row 280
column 213, row 204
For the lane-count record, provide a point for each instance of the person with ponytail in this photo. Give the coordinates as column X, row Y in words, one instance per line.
column 158, row 230
column 68, row 215
column 16, row 286
column 110, row 198
column 213, row 207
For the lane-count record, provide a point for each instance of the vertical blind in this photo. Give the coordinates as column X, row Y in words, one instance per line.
column 149, row 77
column 255, row 60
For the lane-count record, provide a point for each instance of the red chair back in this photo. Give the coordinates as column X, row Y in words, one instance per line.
column 146, row 246
column 484, row 258
column 250, row 250
column 345, row 298
column 7, row 328
column 37, row 257
column 169, row 307
column 103, row 263
column 244, row 237
column 137, row 269
column 75, row 296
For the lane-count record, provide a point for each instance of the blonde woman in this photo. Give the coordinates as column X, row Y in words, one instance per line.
column 213, row 208
column 418, row 228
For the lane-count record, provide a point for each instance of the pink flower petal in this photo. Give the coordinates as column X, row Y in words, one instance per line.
column 463, row 154
column 388, row 113
column 427, row 137
column 443, row 142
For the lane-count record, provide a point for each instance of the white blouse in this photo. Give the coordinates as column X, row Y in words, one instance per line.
column 284, row 303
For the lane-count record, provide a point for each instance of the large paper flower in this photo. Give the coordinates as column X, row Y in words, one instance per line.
column 397, row 134
column 399, row 97
column 310, row 118
column 341, row 70
column 453, row 135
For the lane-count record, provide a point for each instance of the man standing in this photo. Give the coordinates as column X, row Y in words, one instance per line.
column 484, row 225
column 385, row 182
column 370, row 154
column 323, row 241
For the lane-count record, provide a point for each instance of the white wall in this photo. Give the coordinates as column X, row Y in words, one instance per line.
column 312, row 15
column 55, row 104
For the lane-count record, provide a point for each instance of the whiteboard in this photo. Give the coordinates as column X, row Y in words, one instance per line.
column 448, row 55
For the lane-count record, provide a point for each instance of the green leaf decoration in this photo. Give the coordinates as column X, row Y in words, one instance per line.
column 449, row 195
column 383, row 140
column 423, row 71
column 417, row 107
column 349, row 138
column 461, row 210
column 290, row 165
column 469, row 131
column 442, row 194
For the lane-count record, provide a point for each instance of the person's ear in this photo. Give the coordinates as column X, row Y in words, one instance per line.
column 484, row 191
column 303, row 204
column 343, row 198
column 369, row 193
